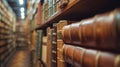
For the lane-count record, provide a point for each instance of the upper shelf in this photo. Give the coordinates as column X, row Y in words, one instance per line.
column 81, row 9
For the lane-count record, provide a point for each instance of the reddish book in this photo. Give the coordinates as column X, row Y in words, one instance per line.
column 39, row 14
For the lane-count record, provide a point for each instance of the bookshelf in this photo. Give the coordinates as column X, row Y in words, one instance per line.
column 75, row 11
column 7, row 38
column 80, row 9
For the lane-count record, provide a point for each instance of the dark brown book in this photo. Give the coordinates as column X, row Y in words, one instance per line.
column 54, row 46
column 51, row 47
column 101, row 32
column 81, row 57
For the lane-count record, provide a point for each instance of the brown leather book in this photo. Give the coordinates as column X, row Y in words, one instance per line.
column 101, row 31
column 81, row 57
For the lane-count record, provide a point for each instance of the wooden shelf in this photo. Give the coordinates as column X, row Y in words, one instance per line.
column 81, row 9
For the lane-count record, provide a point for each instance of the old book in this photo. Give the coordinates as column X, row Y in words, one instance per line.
column 54, row 46
column 81, row 57
column 44, row 50
column 43, row 14
column 51, row 48
column 39, row 13
column 40, row 42
column 60, row 60
column 48, row 47
column 46, row 6
column 101, row 32
column 50, row 8
column 54, row 6
column 37, row 45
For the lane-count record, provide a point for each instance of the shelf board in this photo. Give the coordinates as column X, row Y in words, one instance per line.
column 81, row 9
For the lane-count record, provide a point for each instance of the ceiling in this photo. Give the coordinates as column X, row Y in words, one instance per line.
column 19, row 7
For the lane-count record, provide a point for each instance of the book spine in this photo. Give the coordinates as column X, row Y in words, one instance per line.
column 39, row 13
column 98, row 32
column 43, row 14
column 81, row 57
column 60, row 59
column 40, row 44
column 54, row 7
column 54, row 46
column 44, row 50
column 48, row 47
column 37, row 45
column 51, row 48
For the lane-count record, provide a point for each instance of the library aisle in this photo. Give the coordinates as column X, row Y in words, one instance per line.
column 21, row 58
column 59, row 33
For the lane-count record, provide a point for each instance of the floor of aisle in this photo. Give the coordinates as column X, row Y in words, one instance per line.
column 20, row 59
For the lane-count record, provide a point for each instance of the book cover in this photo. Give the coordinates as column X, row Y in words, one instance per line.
column 98, row 32
column 81, row 57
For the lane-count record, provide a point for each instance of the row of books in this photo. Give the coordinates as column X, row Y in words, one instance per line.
column 5, row 12
column 21, row 36
column 92, row 42
column 5, row 52
column 7, row 42
column 100, row 32
column 81, row 57
column 7, row 47
column 5, row 20
column 52, row 7
column 49, row 46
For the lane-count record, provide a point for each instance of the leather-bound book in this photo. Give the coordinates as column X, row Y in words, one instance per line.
column 86, row 32
column 60, row 60
column 81, row 57
column 54, row 46
column 51, row 48
column 66, row 34
column 99, row 32
column 75, row 31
